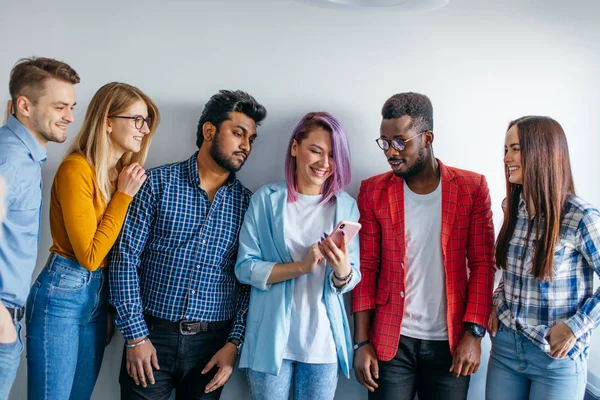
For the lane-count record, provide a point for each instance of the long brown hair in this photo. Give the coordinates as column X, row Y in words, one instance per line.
column 547, row 185
column 92, row 140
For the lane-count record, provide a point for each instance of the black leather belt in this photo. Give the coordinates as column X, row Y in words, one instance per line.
column 184, row 327
column 16, row 313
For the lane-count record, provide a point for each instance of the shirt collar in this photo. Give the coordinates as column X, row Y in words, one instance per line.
column 194, row 176
column 38, row 153
column 523, row 208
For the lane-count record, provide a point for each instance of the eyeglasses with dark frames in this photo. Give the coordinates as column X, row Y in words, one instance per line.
column 138, row 120
column 397, row 144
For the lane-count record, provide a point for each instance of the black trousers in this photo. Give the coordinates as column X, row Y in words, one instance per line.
column 420, row 367
column 181, row 358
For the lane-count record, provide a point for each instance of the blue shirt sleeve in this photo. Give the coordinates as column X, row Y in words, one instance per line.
column 125, row 262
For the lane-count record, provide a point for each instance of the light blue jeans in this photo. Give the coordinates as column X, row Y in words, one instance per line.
column 518, row 370
column 10, row 356
column 66, row 330
column 310, row 382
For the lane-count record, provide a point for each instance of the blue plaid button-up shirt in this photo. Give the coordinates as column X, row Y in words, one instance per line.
column 175, row 256
column 532, row 306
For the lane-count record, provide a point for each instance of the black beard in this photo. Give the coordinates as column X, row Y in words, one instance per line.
column 416, row 168
column 222, row 159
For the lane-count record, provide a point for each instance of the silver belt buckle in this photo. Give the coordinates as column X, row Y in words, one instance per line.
column 184, row 331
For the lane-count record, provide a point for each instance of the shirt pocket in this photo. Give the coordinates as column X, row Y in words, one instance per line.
column 564, row 251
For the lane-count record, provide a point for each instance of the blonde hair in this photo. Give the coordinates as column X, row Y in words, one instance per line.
column 93, row 141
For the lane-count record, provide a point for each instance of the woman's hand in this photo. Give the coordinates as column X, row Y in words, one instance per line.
column 311, row 260
column 337, row 257
column 561, row 340
column 493, row 321
column 131, row 179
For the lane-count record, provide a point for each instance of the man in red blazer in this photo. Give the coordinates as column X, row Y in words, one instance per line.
column 427, row 264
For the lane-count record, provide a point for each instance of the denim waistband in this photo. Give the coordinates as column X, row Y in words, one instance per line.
column 56, row 263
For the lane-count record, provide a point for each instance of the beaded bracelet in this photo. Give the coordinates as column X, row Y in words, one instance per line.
column 344, row 281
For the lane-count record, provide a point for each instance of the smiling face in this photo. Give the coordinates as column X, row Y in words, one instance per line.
column 314, row 161
column 48, row 116
column 125, row 137
column 410, row 161
column 512, row 156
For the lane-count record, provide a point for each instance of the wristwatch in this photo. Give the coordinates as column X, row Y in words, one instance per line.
column 474, row 329
column 361, row 344
column 237, row 343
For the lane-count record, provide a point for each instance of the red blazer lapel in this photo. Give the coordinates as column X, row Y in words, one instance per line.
column 395, row 193
column 449, row 204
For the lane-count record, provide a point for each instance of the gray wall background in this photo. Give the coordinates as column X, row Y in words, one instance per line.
column 482, row 63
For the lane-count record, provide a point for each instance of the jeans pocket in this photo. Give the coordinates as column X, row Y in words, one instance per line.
column 67, row 281
column 556, row 358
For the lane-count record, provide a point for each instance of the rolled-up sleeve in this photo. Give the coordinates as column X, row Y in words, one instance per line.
column 250, row 268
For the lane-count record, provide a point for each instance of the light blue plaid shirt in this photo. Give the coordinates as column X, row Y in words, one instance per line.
column 532, row 306
column 175, row 256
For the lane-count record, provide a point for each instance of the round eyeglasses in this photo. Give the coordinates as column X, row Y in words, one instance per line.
column 138, row 120
column 397, row 144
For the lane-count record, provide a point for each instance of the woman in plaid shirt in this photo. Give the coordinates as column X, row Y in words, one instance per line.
column 548, row 249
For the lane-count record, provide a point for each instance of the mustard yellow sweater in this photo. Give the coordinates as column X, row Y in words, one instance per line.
column 83, row 228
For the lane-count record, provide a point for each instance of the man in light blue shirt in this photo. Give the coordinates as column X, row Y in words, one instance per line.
column 43, row 96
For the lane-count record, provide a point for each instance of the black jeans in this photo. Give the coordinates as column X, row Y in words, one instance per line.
column 420, row 366
column 181, row 358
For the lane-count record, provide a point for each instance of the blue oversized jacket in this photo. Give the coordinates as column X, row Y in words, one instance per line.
column 261, row 246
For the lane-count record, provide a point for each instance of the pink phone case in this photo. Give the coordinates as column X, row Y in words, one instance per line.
column 350, row 228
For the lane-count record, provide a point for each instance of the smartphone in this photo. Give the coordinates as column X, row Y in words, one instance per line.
column 350, row 228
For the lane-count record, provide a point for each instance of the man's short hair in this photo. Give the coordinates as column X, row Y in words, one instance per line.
column 222, row 104
column 29, row 74
column 415, row 105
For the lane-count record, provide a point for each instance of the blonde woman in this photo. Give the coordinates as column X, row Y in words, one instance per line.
column 92, row 189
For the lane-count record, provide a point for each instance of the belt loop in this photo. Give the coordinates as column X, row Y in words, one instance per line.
column 49, row 260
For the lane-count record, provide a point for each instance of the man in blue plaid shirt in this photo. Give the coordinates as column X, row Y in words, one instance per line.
column 179, row 305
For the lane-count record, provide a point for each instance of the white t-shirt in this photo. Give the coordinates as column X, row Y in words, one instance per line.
column 311, row 339
column 425, row 295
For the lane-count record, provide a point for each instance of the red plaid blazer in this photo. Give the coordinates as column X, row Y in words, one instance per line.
column 467, row 248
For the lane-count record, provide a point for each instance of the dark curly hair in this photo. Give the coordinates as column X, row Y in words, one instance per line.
column 415, row 105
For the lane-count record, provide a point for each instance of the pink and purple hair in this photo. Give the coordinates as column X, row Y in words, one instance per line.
column 341, row 176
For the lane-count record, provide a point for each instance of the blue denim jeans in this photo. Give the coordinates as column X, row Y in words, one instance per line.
column 519, row 370
column 310, row 382
column 10, row 356
column 66, row 330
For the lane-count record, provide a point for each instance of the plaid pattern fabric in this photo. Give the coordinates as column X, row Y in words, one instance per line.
column 467, row 248
column 532, row 306
column 175, row 256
